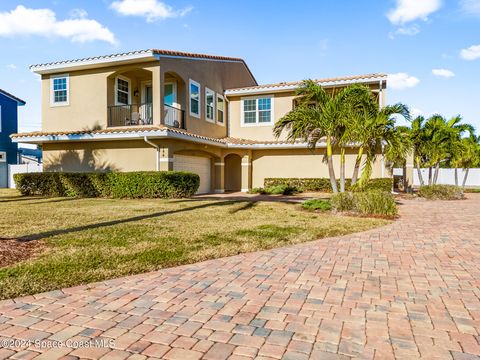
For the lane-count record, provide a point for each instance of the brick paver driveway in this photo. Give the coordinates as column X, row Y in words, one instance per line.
column 407, row 290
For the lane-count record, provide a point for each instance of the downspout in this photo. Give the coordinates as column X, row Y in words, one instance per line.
column 145, row 138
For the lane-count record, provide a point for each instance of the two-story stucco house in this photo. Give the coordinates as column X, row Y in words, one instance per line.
column 8, row 125
column 169, row 110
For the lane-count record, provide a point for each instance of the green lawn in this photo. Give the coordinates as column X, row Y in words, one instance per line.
column 77, row 241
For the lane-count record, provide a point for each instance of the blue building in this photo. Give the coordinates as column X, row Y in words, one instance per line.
column 8, row 125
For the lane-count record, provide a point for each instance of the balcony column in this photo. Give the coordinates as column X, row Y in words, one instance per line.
column 247, row 172
column 219, row 169
column 166, row 159
column 157, row 95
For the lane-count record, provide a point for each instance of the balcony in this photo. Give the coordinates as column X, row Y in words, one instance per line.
column 174, row 117
column 130, row 115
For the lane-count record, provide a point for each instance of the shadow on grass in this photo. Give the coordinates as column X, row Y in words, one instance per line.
column 34, row 200
column 47, row 234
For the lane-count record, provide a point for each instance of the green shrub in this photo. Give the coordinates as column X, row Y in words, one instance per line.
column 282, row 190
column 441, row 192
column 164, row 184
column 373, row 202
column 258, row 190
column 317, row 204
column 323, row 184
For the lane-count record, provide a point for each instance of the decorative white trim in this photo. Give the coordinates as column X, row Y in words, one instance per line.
column 190, row 82
column 219, row 164
column 129, row 89
column 257, row 123
column 291, row 87
column 52, row 93
column 164, row 160
column 246, row 164
column 210, row 91
column 244, row 190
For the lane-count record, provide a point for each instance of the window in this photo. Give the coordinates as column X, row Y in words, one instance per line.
column 257, row 111
column 194, row 98
column 209, row 105
column 220, row 109
column 123, row 91
column 59, row 88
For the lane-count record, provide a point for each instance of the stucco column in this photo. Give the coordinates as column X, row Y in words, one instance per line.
column 408, row 173
column 157, row 95
column 166, row 159
column 246, row 172
column 219, row 170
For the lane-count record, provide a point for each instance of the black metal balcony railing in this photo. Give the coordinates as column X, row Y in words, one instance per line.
column 130, row 115
column 174, row 117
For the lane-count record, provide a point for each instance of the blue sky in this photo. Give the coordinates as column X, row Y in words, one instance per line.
column 431, row 48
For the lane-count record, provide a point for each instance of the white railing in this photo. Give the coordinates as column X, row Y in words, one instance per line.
column 21, row 169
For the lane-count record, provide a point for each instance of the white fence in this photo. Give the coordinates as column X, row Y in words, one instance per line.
column 446, row 176
column 22, row 168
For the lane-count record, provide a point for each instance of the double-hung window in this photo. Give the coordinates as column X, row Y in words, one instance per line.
column 123, row 91
column 257, row 111
column 209, row 105
column 59, row 90
column 220, row 109
column 194, row 98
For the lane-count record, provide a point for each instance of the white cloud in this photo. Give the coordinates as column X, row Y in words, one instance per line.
column 43, row 22
column 411, row 10
column 401, row 81
column 152, row 10
column 443, row 73
column 12, row 66
column 410, row 30
column 470, row 53
column 471, row 7
column 78, row 13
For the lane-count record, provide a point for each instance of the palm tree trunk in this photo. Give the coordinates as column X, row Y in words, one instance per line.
column 465, row 178
column 429, row 175
column 437, row 170
column 456, row 176
column 331, row 170
column 419, row 171
column 356, row 169
column 342, row 170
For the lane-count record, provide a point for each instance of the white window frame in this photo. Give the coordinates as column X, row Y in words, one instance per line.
column 129, row 90
column 52, row 93
column 210, row 91
column 220, row 96
column 190, row 83
column 257, row 123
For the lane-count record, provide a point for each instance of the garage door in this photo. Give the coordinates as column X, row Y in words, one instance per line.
column 196, row 164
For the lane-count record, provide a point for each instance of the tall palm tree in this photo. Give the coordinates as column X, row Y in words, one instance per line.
column 466, row 155
column 419, row 141
column 319, row 115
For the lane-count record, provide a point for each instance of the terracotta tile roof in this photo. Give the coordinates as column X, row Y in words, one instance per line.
column 194, row 55
column 320, row 81
column 152, row 128
column 13, row 97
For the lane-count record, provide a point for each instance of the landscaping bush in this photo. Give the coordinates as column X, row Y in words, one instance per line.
column 164, row 184
column 323, row 184
column 373, row 202
column 274, row 190
column 441, row 192
column 317, row 204
column 258, row 190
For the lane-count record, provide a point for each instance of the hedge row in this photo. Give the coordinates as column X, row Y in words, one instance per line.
column 163, row 184
column 372, row 202
column 441, row 192
column 323, row 184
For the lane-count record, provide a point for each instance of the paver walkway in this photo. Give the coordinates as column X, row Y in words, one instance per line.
column 407, row 290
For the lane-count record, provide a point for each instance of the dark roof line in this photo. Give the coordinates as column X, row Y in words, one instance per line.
column 13, row 97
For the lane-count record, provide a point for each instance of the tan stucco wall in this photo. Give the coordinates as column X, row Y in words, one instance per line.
column 90, row 94
column 301, row 163
column 282, row 104
column 215, row 75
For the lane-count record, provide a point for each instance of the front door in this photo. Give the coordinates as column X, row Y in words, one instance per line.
column 170, row 104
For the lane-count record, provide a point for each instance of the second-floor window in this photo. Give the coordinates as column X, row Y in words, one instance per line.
column 220, row 109
column 194, row 98
column 257, row 111
column 209, row 104
column 59, row 90
column 123, row 91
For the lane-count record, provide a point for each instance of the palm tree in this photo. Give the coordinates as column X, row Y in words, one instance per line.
column 373, row 129
column 419, row 141
column 320, row 115
column 466, row 156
